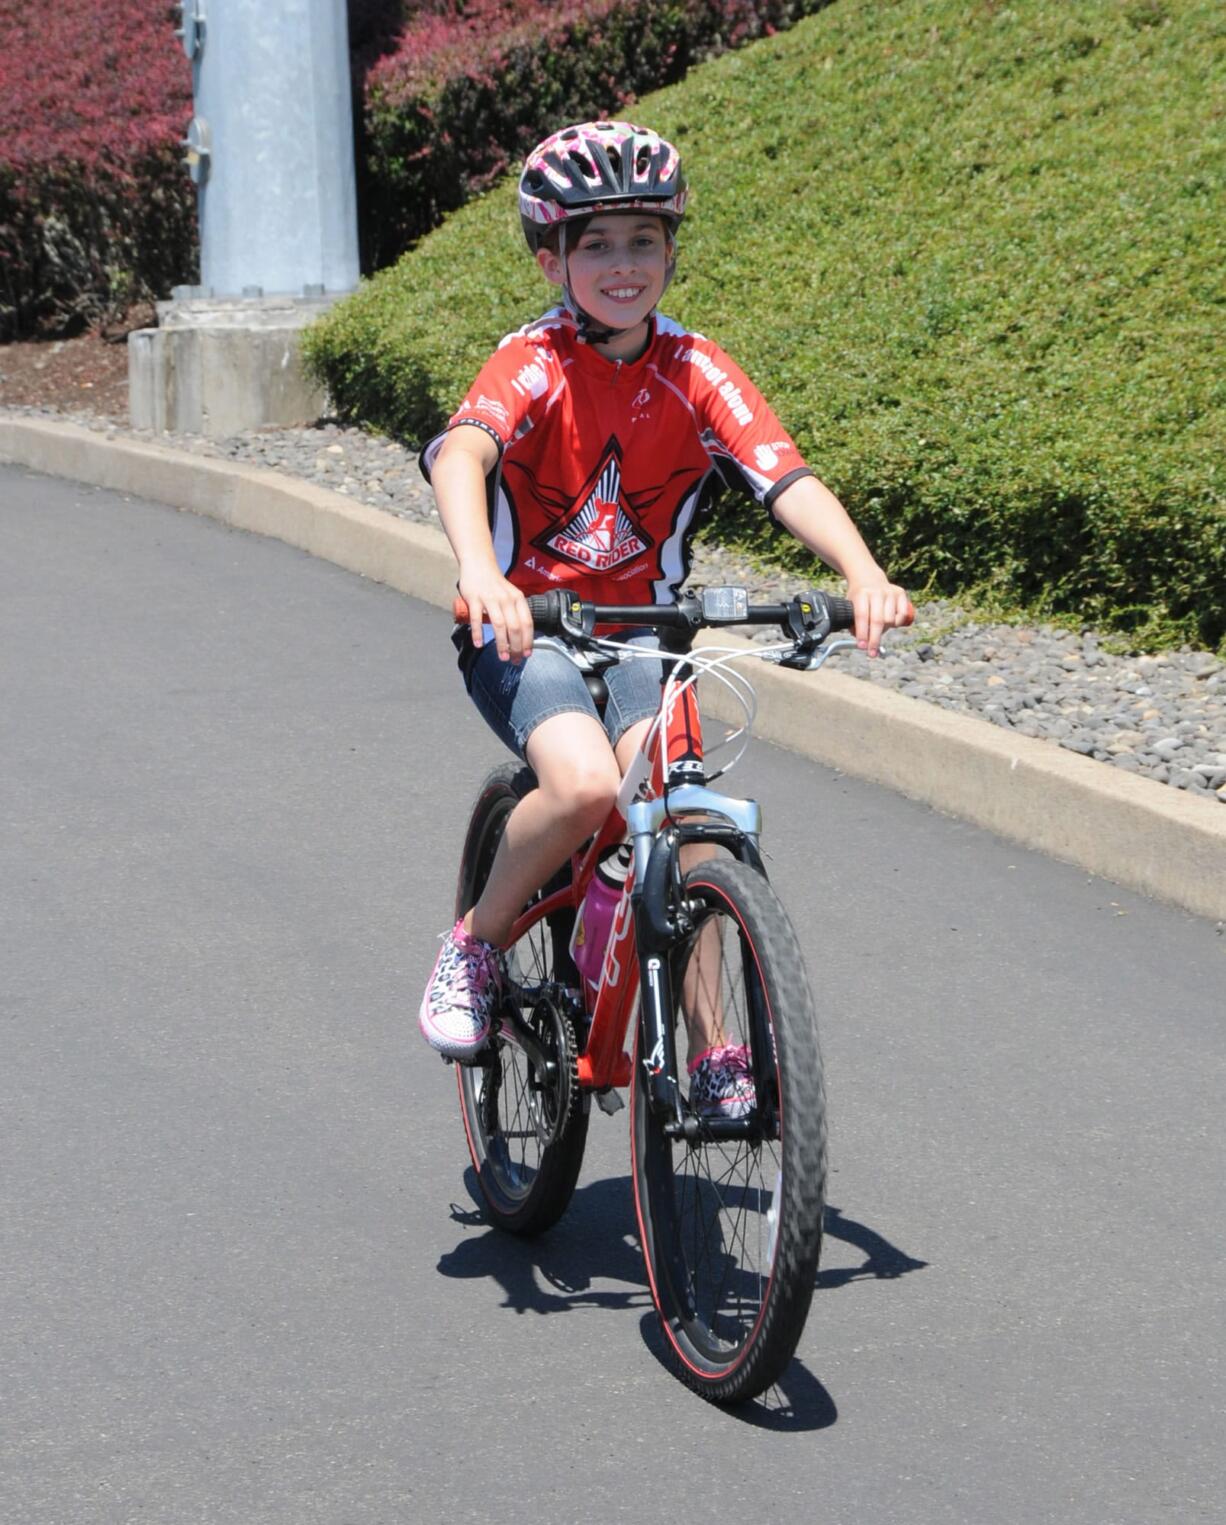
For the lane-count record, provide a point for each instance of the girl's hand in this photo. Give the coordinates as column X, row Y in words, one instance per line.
column 880, row 605
column 492, row 599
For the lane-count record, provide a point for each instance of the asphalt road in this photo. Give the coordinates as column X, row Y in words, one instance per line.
column 242, row 1277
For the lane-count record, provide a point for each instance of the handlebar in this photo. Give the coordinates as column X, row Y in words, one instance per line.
column 808, row 618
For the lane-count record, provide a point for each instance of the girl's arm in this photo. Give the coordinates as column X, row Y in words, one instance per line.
column 465, row 460
column 812, row 513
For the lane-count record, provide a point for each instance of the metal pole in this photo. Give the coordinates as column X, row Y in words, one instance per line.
column 274, row 146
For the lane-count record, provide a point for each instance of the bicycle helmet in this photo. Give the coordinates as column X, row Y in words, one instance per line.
column 598, row 167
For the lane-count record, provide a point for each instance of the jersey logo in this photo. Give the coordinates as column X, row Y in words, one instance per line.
column 600, row 531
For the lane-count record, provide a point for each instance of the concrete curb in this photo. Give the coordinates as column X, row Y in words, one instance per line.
column 1139, row 834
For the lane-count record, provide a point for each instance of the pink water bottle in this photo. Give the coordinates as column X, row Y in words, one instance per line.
column 594, row 919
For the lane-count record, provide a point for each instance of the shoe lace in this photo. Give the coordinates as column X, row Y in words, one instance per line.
column 472, row 956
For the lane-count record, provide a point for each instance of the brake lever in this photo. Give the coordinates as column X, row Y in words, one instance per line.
column 806, row 658
column 824, row 652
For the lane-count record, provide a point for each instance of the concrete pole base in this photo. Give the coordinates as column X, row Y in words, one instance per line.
column 221, row 366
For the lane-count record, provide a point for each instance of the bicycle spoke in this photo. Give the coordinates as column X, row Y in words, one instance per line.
column 727, row 1274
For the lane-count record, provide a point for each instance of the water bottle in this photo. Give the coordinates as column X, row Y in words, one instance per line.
column 594, row 919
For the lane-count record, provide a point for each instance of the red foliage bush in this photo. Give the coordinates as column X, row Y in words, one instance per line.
column 90, row 81
column 95, row 208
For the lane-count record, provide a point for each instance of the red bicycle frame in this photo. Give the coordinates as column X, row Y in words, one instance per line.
column 604, row 1061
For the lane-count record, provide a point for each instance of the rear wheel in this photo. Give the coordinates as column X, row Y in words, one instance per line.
column 731, row 1225
column 524, row 1114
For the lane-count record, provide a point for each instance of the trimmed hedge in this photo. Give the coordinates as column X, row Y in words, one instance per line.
column 973, row 256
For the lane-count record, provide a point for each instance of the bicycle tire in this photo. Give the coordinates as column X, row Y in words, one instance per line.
column 526, row 1132
column 732, row 1287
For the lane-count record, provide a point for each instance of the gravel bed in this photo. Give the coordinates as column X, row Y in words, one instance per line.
column 1162, row 716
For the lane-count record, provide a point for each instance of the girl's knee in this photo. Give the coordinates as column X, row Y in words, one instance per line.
column 575, row 769
column 590, row 790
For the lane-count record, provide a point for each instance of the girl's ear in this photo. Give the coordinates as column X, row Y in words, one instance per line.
column 551, row 265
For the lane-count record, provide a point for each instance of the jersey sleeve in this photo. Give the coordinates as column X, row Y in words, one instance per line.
column 505, row 396
column 752, row 450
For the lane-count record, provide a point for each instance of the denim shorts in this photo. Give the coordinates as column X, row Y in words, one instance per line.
column 514, row 697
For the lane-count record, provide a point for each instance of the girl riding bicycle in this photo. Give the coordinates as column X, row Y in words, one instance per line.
column 582, row 457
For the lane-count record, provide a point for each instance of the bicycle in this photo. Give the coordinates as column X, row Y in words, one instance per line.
column 729, row 1206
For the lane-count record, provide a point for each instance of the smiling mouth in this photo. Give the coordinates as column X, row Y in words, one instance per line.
column 625, row 293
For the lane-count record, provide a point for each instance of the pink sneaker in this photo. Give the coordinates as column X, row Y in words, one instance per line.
column 458, row 1006
column 721, row 1082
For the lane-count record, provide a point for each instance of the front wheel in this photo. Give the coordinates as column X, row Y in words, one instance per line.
column 731, row 1217
column 524, row 1114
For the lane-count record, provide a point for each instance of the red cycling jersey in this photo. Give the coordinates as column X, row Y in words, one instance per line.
column 604, row 466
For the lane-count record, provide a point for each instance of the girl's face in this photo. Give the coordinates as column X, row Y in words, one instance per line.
column 617, row 270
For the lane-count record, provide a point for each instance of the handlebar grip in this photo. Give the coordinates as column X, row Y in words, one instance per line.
column 842, row 613
column 543, row 608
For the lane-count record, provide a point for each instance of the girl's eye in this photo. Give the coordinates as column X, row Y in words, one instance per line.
column 597, row 244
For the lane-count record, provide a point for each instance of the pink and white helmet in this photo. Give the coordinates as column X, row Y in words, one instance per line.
column 599, row 167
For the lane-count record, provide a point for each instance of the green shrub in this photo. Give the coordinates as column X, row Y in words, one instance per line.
column 973, row 254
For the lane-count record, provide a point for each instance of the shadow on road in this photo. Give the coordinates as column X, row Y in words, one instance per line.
column 799, row 1402
column 883, row 1261
column 597, row 1242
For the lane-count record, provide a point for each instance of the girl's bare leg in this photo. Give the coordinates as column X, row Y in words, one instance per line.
column 577, row 778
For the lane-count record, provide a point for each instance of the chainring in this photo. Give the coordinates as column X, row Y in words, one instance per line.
column 556, row 1093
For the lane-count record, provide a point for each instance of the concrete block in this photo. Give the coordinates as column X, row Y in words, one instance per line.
column 220, row 367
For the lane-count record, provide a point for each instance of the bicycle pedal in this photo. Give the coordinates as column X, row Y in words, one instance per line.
column 609, row 1102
